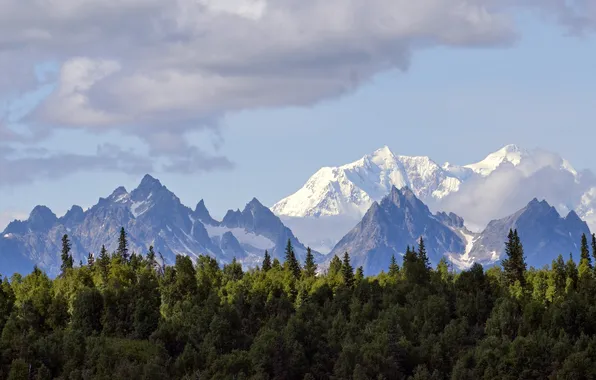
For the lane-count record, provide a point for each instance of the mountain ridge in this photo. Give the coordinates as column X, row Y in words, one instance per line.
column 152, row 215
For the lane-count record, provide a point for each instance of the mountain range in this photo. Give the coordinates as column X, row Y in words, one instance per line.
column 334, row 199
column 152, row 215
column 372, row 208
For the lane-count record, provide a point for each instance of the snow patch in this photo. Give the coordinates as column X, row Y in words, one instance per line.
column 243, row 237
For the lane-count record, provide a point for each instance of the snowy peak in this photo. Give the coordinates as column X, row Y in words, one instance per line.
column 511, row 154
column 351, row 189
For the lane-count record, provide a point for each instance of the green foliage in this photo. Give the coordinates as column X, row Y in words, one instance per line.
column 291, row 263
column 393, row 267
column 123, row 245
column 347, row 271
column 67, row 260
column 130, row 318
column 310, row 268
column 514, row 265
column 266, row 262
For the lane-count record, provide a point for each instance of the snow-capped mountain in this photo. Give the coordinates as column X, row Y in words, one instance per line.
column 152, row 215
column 351, row 189
column 509, row 154
column 544, row 233
column 400, row 219
column 335, row 198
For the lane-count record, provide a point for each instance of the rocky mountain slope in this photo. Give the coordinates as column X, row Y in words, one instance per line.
column 151, row 215
column 543, row 231
column 398, row 220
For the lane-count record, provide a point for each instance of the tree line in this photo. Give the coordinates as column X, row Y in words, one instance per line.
column 123, row 315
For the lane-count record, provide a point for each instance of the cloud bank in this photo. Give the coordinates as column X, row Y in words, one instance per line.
column 510, row 188
column 158, row 69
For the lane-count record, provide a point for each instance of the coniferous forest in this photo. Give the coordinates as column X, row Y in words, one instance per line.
column 122, row 315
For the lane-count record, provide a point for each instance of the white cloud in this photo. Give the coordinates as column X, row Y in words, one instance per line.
column 163, row 63
column 159, row 68
column 509, row 188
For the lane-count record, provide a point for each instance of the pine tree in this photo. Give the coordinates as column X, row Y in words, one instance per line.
column 359, row 274
column 393, row 267
column 347, row 271
column 291, row 262
column 514, row 265
column 572, row 274
column 123, row 245
column 310, row 268
column 151, row 261
column 334, row 266
column 266, row 262
column 276, row 264
column 422, row 255
column 594, row 246
column 104, row 263
column 90, row 259
column 67, row 260
column 585, row 252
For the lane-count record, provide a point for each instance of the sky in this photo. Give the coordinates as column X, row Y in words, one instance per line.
column 229, row 100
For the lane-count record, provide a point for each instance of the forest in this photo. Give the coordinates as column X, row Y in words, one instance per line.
column 122, row 315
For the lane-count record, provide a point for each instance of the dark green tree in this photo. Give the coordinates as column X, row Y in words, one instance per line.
column 347, row 271
column 310, row 268
column 334, row 266
column 393, row 267
column 291, row 264
column 359, row 274
column 585, row 252
column 123, row 245
column 572, row 273
column 266, row 262
column 594, row 246
column 422, row 255
column 90, row 259
column 104, row 264
column 67, row 260
column 276, row 264
column 87, row 311
column 514, row 265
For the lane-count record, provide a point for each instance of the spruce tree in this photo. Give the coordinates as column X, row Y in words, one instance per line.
column 266, row 262
column 291, row 264
column 359, row 274
column 276, row 264
column 310, row 268
column 90, row 259
column 572, row 274
column 67, row 260
column 334, row 266
column 123, row 245
column 347, row 271
column 422, row 255
column 393, row 267
column 104, row 263
column 514, row 265
column 585, row 253
column 594, row 246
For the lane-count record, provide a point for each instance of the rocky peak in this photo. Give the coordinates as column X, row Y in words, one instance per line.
column 201, row 213
column 41, row 219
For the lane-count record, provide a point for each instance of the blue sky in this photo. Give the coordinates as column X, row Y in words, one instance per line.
column 453, row 103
